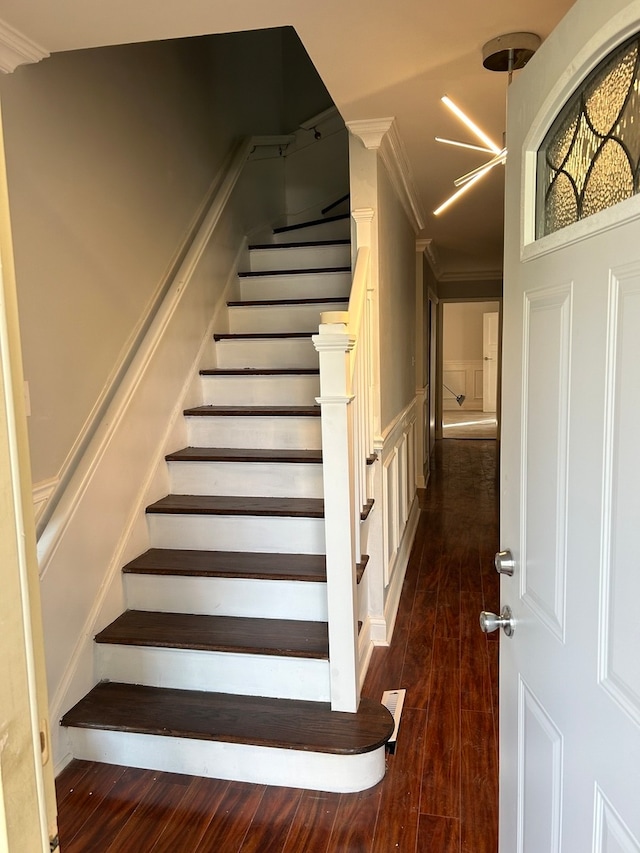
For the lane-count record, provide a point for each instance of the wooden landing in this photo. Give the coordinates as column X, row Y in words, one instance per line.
column 280, row 723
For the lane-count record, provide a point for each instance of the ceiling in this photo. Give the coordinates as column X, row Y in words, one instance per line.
column 389, row 58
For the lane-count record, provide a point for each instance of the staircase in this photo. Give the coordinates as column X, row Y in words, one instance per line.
column 220, row 665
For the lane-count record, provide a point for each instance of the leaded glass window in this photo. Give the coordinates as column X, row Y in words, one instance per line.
column 590, row 158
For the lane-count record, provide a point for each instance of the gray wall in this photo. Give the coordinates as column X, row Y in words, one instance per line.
column 110, row 154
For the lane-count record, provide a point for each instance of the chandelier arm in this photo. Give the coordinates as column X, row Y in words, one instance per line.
column 495, row 161
column 456, row 195
column 473, row 127
column 464, row 145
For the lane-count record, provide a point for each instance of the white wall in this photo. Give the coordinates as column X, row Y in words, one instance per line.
column 462, row 348
column 397, row 263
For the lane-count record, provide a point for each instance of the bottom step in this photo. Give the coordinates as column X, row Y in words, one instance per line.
column 246, row 738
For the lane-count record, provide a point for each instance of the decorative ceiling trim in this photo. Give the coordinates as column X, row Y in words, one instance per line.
column 427, row 246
column 382, row 135
column 16, row 49
column 478, row 275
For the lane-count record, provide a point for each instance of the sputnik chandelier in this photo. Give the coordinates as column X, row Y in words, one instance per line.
column 507, row 53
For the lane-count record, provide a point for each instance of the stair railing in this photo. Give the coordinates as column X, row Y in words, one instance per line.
column 344, row 345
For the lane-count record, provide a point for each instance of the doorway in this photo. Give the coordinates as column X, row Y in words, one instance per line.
column 470, row 369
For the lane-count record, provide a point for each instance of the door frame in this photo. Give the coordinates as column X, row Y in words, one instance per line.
column 439, row 395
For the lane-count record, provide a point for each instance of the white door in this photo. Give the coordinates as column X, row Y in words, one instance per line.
column 489, row 361
column 570, row 486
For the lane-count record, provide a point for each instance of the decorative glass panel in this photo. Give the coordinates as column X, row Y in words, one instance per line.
column 590, row 158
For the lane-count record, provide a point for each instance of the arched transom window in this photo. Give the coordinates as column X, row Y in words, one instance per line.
column 590, row 158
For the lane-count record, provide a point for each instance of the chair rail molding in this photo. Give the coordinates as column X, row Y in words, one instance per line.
column 16, row 49
column 382, row 135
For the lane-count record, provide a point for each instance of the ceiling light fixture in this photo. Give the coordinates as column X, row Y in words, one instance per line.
column 508, row 53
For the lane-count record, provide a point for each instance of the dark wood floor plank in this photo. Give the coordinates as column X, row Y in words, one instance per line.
column 232, row 818
column 72, row 776
column 479, row 790
column 115, row 810
column 442, row 762
column 397, row 826
column 272, row 820
column 313, row 823
column 218, row 633
column 191, row 816
column 438, row 834
column 86, row 799
column 355, row 823
column 146, row 824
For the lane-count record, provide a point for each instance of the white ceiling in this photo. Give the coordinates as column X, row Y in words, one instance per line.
column 378, row 58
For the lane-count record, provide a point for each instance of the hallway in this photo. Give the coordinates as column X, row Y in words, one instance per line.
column 440, row 790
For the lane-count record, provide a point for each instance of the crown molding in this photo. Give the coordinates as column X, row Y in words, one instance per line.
column 382, row 135
column 477, row 275
column 427, row 246
column 16, row 49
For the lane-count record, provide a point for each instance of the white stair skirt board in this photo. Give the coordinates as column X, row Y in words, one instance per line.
column 339, row 230
column 303, row 286
column 259, row 765
column 280, row 318
column 225, row 672
column 273, row 433
column 258, row 352
column 237, row 533
column 261, row 390
column 214, row 596
column 264, row 479
column 300, row 257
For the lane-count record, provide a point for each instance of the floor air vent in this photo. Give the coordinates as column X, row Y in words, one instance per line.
column 393, row 700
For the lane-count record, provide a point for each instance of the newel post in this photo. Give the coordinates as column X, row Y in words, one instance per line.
column 334, row 344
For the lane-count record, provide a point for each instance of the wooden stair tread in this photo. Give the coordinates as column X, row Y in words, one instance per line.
column 235, row 564
column 254, row 411
column 260, row 371
column 259, row 336
column 278, row 723
column 239, row 505
column 300, row 225
column 230, row 564
column 288, row 272
column 283, row 637
column 301, row 244
column 266, row 303
column 242, row 454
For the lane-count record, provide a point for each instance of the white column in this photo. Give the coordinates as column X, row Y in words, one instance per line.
column 334, row 344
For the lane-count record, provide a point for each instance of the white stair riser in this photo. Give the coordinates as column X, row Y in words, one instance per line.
column 304, row 286
column 264, row 479
column 300, row 433
column 287, row 352
column 246, row 597
column 299, row 257
column 280, row 318
column 315, row 771
column 339, row 230
column 237, row 533
column 223, row 672
column 261, row 390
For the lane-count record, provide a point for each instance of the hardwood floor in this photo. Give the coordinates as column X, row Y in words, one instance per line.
column 440, row 791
